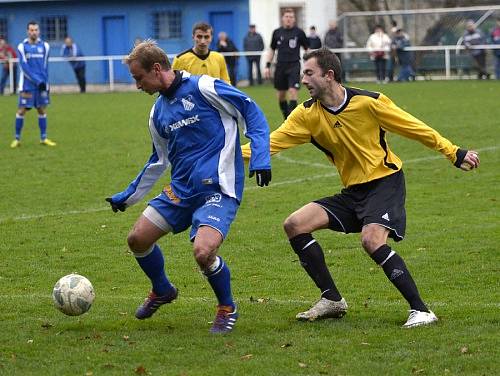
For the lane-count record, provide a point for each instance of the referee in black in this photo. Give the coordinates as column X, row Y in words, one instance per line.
column 287, row 40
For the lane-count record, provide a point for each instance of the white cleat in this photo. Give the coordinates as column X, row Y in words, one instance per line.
column 323, row 309
column 418, row 318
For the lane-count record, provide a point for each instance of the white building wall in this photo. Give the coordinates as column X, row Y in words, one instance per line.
column 266, row 15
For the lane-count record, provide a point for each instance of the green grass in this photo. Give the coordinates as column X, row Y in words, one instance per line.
column 54, row 221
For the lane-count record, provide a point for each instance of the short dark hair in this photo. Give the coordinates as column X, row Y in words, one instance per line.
column 32, row 22
column 203, row 26
column 326, row 60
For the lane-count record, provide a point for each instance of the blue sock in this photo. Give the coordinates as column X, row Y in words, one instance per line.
column 153, row 265
column 220, row 280
column 42, row 124
column 19, row 126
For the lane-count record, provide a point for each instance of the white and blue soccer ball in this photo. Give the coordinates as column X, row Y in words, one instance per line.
column 73, row 294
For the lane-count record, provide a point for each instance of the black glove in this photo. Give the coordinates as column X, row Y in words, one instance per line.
column 263, row 177
column 115, row 207
column 42, row 86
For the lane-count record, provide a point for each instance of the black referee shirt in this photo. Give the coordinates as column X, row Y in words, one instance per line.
column 288, row 42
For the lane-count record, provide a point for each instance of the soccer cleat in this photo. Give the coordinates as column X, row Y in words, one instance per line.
column 323, row 309
column 153, row 302
column 15, row 144
column 224, row 320
column 47, row 142
column 418, row 318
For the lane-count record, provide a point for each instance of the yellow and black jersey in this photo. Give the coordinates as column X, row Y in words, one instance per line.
column 354, row 137
column 211, row 64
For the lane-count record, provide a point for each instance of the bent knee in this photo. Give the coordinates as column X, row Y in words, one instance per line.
column 136, row 242
column 204, row 256
column 292, row 226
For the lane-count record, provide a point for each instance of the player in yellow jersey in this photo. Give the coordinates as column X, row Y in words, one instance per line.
column 200, row 59
column 349, row 126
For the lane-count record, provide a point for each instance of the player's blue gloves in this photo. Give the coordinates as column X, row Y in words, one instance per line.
column 115, row 206
column 42, row 86
column 263, row 177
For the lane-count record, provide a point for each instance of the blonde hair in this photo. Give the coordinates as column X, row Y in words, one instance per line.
column 148, row 53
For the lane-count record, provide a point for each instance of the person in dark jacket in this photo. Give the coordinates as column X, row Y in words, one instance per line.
column 474, row 37
column 224, row 44
column 314, row 39
column 253, row 42
column 334, row 39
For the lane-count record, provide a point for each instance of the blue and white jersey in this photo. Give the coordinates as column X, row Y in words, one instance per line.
column 34, row 61
column 194, row 128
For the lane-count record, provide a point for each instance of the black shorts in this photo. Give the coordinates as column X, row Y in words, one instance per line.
column 287, row 75
column 381, row 202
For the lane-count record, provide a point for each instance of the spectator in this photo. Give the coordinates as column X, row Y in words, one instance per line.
column 253, row 42
column 225, row 44
column 6, row 53
column 334, row 39
column 200, row 59
column 399, row 43
column 474, row 37
column 314, row 39
column 70, row 50
column 379, row 45
column 495, row 39
column 391, row 62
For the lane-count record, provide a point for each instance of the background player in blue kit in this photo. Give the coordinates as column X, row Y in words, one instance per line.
column 194, row 129
column 34, row 83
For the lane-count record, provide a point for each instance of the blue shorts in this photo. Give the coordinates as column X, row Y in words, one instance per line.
column 213, row 209
column 35, row 98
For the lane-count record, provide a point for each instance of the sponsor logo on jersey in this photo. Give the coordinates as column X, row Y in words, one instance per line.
column 184, row 122
column 214, row 218
column 216, row 197
column 386, row 217
column 187, row 103
column 337, row 124
column 31, row 55
column 292, row 43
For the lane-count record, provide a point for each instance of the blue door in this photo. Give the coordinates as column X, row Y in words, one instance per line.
column 222, row 21
column 115, row 43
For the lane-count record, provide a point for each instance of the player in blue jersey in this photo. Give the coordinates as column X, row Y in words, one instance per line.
column 34, row 83
column 194, row 128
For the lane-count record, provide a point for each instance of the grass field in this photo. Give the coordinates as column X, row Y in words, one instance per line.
column 54, row 221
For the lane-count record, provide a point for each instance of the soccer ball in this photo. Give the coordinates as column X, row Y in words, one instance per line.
column 73, row 294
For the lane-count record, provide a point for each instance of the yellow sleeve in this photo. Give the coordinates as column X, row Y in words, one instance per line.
column 291, row 133
column 224, row 75
column 396, row 120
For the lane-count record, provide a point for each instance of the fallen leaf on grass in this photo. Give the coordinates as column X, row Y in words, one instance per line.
column 302, row 365
column 140, row 370
column 464, row 350
column 246, row 357
column 417, row 370
column 126, row 338
column 286, row 345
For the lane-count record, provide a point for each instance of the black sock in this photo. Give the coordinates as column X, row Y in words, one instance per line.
column 312, row 260
column 284, row 108
column 291, row 106
column 397, row 272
